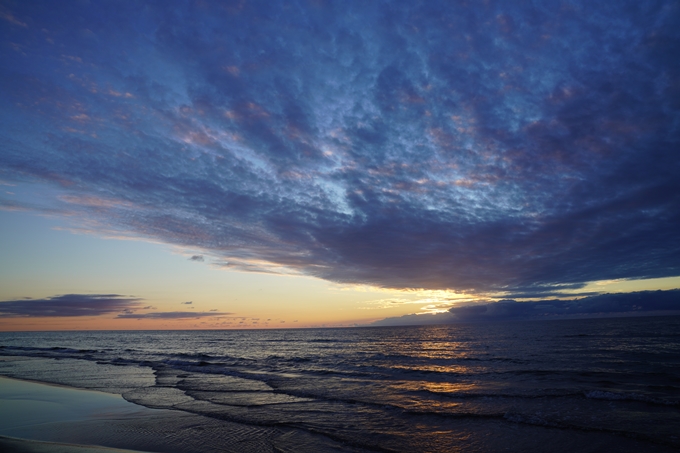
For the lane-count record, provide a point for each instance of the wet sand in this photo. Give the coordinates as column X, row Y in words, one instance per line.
column 12, row 445
column 46, row 418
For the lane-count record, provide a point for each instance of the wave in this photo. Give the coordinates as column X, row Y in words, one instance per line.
column 615, row 396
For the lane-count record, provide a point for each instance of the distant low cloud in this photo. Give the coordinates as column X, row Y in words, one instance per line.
column 634, row 303
column 198, row 258
column 171, row 315
column 187, row 303
column 69, row 305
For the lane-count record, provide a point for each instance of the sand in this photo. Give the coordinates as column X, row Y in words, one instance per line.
column 47, row 418
column 42, row 418
column 12, row 445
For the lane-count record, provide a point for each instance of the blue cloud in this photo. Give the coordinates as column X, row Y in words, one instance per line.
column 69, row 305
column 482, row 147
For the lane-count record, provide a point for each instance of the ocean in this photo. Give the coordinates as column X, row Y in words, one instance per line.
column 568, row 385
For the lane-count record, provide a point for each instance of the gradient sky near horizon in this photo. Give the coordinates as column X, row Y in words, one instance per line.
column 228, row 164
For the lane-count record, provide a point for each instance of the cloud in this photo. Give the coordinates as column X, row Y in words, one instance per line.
column 483, row 146
column 187, row 303
column 198, row 258
column 68, row 305
column 617, row 304
column 538, row 294
column 171, row 315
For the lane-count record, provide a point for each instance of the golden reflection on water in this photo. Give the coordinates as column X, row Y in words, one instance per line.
column 437, row 387
column 433, row 368
column 448, row 387
column 448, row 366
column 449, row 350
column 426, row 346
column 448, row 363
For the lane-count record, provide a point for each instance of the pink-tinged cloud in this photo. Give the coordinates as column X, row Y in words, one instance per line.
column 398, row 144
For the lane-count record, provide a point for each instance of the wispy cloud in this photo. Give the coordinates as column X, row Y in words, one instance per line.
column 171, row 315
column 69, row 305
column 481, row 146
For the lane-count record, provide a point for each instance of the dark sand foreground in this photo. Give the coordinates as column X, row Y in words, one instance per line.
column 42, row 418
column 12, row 445
column 45, row 418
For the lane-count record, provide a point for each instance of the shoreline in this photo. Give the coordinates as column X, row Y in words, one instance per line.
column 16, row 445
column 41, row 417
column 54, row 418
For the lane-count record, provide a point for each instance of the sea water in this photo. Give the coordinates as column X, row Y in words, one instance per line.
column 569, row 385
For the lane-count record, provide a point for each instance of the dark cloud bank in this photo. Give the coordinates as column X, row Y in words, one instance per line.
column 68, row 305
column 73, row 305
column 640, row 303
column 480, row 146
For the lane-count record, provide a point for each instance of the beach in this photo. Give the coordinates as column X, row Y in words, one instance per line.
column 48, row 418
column 43, row 418
column 588, row 385
column 13, row 445
column 326, row 226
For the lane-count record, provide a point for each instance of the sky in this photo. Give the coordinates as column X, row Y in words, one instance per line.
column 260, row 164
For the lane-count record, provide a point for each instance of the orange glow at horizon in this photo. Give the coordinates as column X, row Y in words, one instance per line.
column 56, row 323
